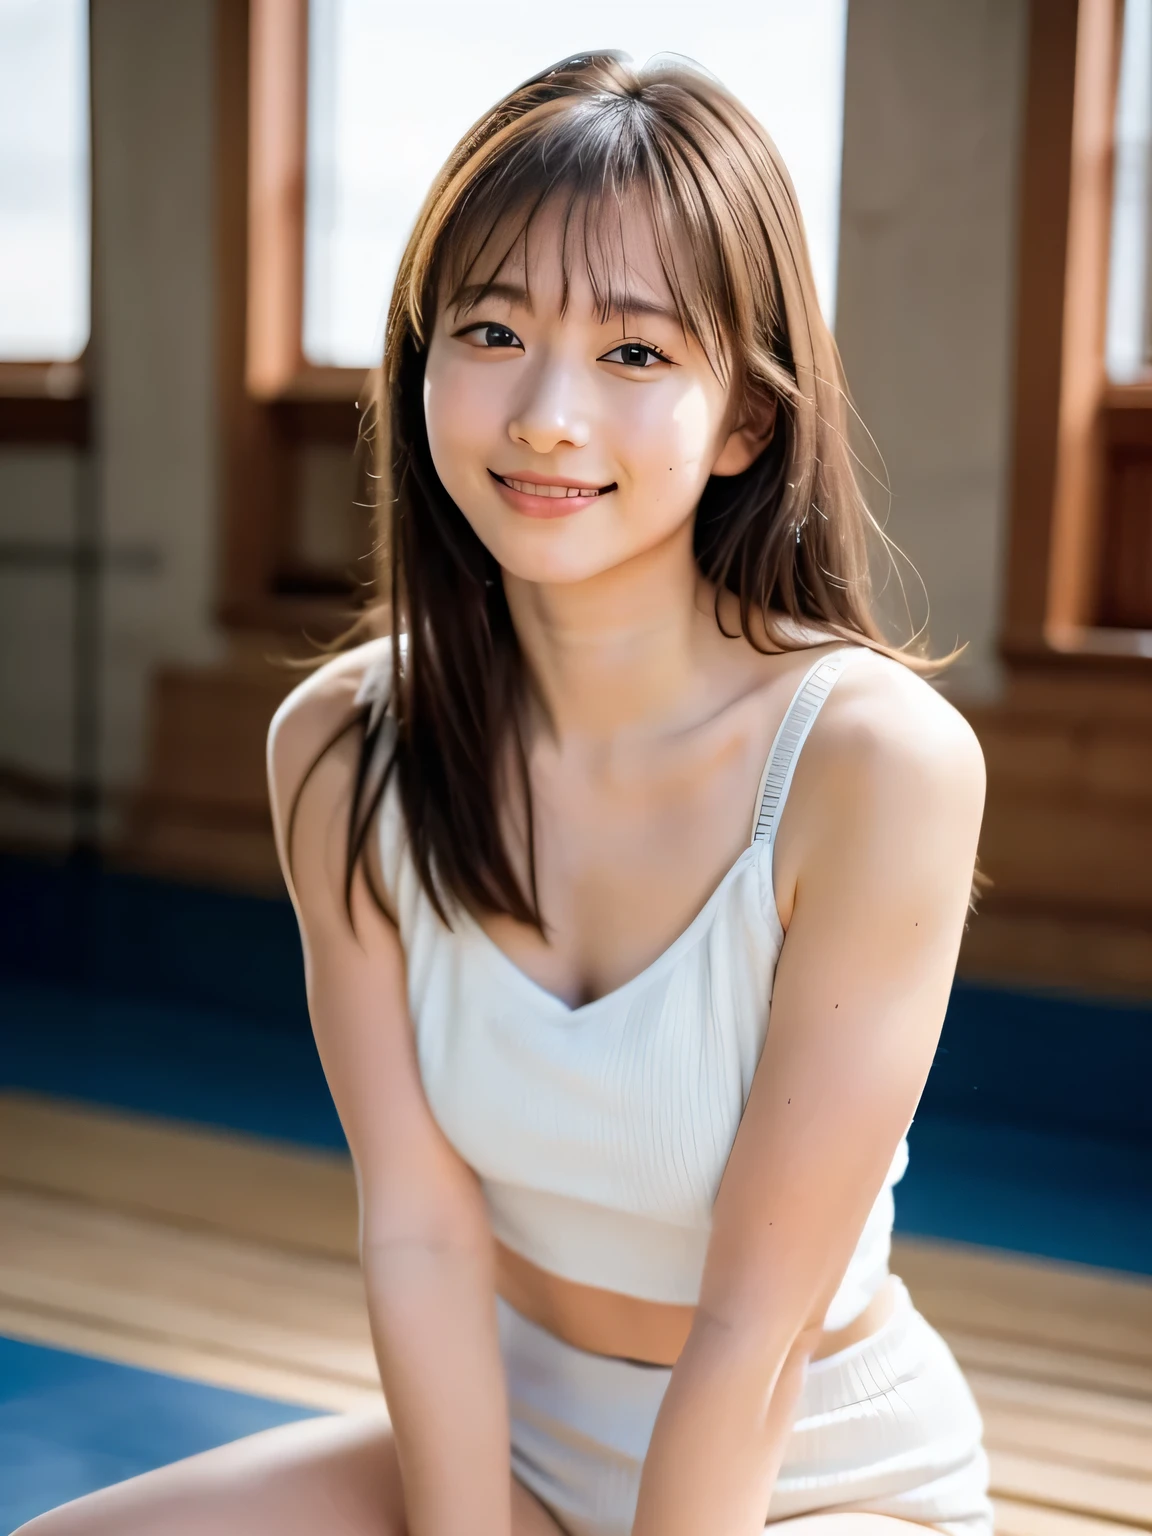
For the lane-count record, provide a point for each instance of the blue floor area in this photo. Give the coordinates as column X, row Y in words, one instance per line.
column 1077, row 1199
column 70, row 1424
column 208, row 1065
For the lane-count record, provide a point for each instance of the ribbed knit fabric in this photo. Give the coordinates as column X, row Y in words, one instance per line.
column 887, row 1426
column 600, row 1133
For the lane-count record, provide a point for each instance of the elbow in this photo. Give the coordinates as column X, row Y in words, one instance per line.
column 409, row 1276
column 448, row 1233
column 435, row 1216
column 754, row 1351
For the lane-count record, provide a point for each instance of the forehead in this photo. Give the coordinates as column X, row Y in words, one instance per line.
column 605, row 257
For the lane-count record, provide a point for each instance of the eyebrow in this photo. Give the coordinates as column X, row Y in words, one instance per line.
column 473, row 294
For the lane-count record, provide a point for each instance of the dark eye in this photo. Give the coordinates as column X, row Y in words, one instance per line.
column 634, row 354
column 489, row 335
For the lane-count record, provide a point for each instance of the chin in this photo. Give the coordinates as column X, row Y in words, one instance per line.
column 567, row 550
column 552, row 567
column 560, row 551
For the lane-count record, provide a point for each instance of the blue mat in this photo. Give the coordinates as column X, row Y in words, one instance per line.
column 1077, row 1199
column 211, row 1066
column 70, row 1424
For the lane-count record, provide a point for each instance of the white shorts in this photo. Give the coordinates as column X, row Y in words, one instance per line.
column 887, row 1426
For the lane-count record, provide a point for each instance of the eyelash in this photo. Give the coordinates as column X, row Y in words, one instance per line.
column 639, row 346
column 642, row 346
column 490, row 325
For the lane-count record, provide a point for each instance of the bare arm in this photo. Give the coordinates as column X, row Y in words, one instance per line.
column 425, row 1247
column 860, row 994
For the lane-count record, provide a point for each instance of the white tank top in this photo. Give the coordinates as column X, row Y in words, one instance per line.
column 600, row 1133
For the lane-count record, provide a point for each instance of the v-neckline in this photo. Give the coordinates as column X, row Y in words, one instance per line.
column 488, row 945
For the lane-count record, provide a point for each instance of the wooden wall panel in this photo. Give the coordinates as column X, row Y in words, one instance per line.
column 203, row 813
column 1067, row 835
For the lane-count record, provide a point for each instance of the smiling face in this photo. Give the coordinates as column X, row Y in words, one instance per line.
column 573, row 441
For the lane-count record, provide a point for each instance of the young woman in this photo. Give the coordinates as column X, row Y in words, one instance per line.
column 626, row 1001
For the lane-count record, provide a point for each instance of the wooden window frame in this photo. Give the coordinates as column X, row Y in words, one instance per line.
column 1068, row 419
column 276, row 368
column 271, row 400
column 45, row 403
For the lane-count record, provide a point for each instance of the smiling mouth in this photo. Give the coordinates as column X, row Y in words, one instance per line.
column 555, row 492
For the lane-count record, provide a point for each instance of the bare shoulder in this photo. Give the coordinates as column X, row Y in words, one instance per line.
column 884, row 723
column 312, row 761
column 887, row 806
column 312, row 716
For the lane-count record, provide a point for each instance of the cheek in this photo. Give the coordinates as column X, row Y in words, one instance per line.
column 461, row 412
column 671, row 438
column 695, row 426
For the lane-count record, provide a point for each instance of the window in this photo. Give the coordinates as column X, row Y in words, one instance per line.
column 1080, row 559
column 391, row 89
column 1129, row 346
column 1125, row 590
column 44, row 181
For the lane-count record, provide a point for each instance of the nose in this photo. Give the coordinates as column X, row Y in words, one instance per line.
column 552, row 412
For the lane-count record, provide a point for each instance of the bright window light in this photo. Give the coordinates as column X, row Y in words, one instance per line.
column 1129, row 334
column 44, row 224
column 392, row 88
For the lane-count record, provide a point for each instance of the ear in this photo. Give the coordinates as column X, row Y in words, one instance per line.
column 747, row 439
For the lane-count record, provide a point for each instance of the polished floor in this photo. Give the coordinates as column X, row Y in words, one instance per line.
column 228, row 1262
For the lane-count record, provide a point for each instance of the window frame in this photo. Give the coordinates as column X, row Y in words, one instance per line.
column 276, row 367
column 45, row 403
column 1067, row 417
column 270, row 400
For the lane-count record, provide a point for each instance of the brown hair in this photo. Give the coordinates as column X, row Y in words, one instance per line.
column 791, row 534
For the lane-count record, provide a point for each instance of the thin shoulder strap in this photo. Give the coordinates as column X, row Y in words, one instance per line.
column 815, row 686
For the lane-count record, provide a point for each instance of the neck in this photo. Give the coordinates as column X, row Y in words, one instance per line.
column 622, row 649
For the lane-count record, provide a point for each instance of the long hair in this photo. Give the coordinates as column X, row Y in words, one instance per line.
column 791, row 535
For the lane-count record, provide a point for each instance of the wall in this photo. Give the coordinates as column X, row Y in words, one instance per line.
column 39, row 490
column 154, row 471
column 934, row 93
column 154, row 384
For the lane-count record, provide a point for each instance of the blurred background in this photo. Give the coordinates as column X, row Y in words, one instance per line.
column 202, row 204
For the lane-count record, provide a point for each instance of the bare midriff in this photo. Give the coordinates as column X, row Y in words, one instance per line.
column 654, row 1332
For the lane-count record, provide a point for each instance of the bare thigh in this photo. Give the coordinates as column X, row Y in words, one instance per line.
column 847, row 1523
column 338, row 1475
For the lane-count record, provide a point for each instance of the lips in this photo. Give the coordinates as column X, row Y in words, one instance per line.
column 555, row 491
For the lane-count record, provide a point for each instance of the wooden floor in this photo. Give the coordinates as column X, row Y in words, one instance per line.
column 233, row 1262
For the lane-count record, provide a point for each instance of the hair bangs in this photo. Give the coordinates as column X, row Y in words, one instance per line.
column 602, row 166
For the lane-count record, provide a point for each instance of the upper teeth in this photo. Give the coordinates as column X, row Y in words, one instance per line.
column 529, row 489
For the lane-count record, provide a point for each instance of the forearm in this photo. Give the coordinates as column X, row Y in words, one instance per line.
column 719, row 1438
column 434, row 1326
